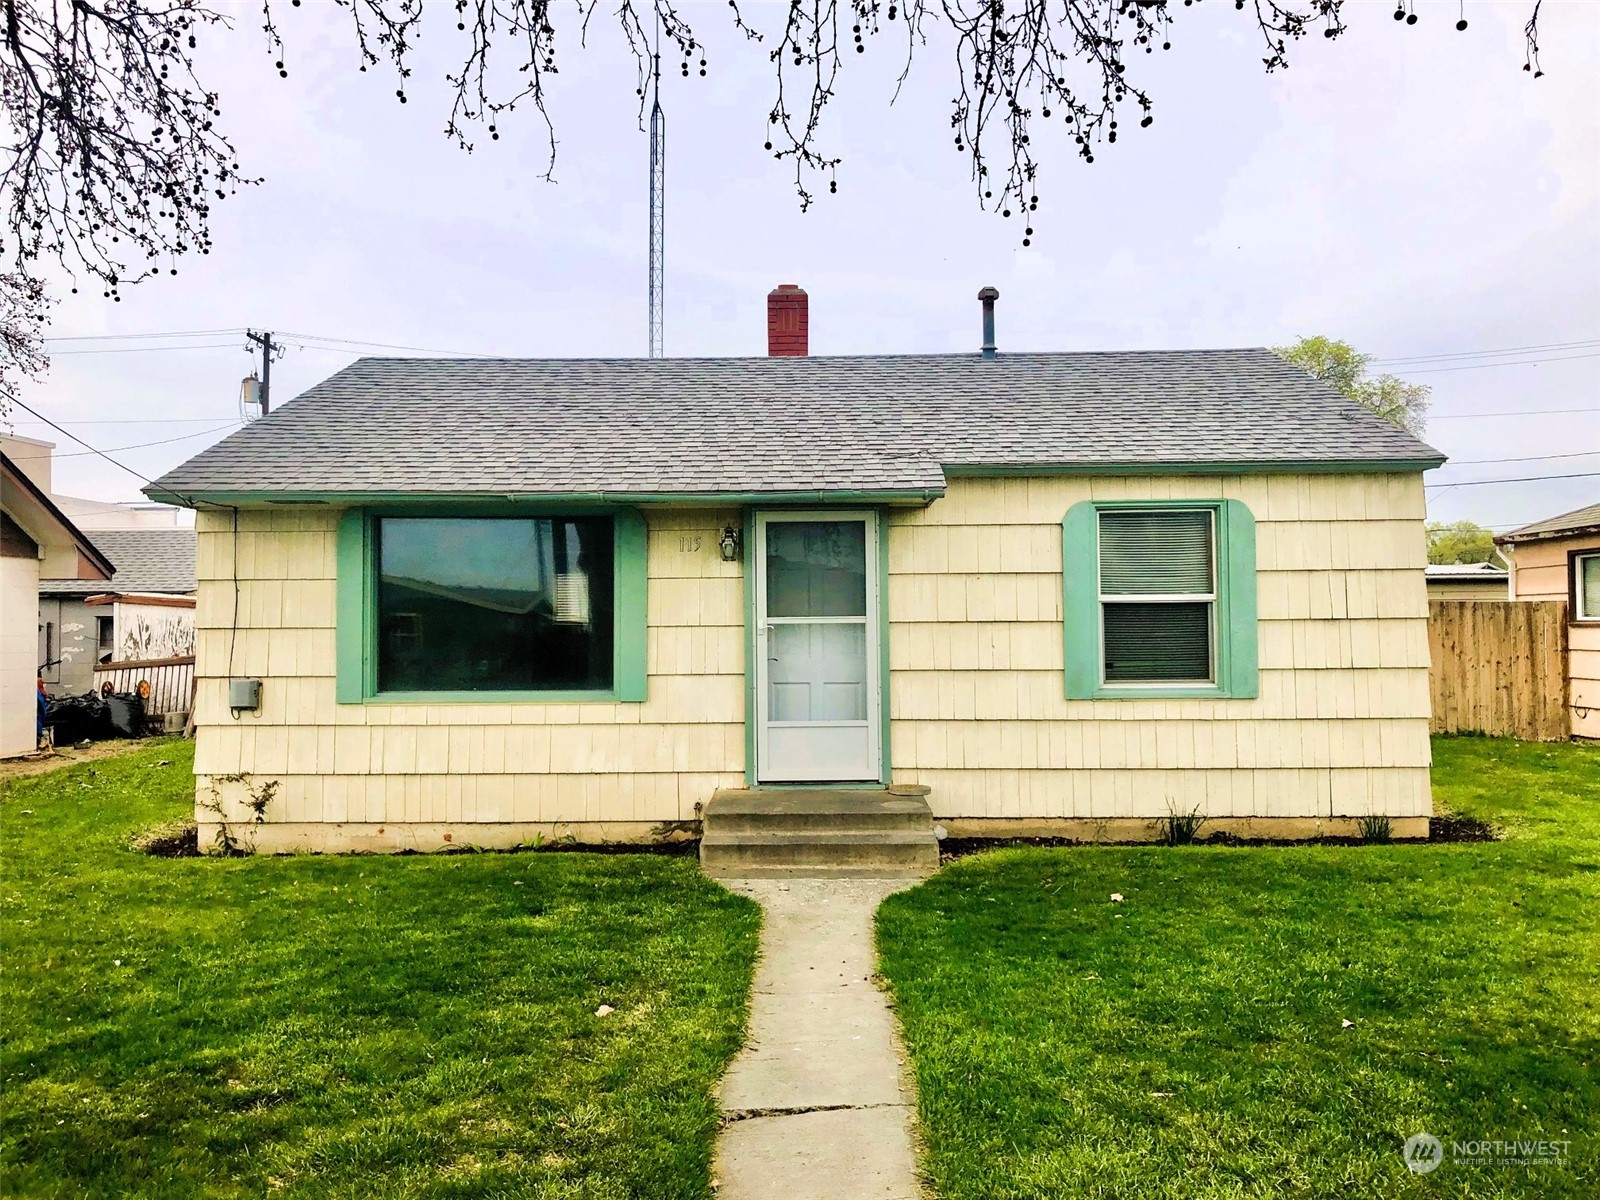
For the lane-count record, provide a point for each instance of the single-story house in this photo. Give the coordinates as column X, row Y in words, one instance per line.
column 1468, row 581
column 145, row 612
column 491, row 600
column 1559, row 559
column 36, row 538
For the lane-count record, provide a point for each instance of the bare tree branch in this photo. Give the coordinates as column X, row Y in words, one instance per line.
column 24, row 312
column 115, row 153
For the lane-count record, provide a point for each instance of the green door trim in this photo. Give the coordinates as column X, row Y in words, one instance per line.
column 748, row 546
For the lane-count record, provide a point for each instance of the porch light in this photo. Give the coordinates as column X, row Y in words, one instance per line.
column 729, row 544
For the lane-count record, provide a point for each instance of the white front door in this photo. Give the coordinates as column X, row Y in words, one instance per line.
column 816, row 636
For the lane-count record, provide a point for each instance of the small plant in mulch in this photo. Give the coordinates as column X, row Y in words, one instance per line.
column 1181, row 829
column 173, row 839
column 1375, row 827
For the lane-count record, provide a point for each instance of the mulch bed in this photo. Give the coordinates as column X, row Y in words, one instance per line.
column 1448, row 828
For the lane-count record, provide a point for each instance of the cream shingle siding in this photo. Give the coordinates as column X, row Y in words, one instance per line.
column 976, row 696
column 462, row 763
column 1341, row 724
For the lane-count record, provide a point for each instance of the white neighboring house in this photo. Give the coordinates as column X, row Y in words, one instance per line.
column 94, row 516
column 1468, row 581
column 36, row 538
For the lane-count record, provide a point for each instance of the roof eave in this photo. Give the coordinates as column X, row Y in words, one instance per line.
column 1212, row 467
column 53, row 513
column 1515, row 538
column 196, row 498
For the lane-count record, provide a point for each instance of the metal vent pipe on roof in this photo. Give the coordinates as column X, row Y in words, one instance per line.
column 988, row 296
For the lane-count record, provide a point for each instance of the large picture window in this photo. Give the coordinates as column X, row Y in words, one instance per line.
column 494, row 604
column 1157, row 596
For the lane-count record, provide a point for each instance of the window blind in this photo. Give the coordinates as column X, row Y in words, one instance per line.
column 1155, row 553
column 1157, row 642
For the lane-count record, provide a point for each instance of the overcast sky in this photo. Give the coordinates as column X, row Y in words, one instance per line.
column 1407, row 188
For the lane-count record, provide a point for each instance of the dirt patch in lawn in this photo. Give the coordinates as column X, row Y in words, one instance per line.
column 174, row 839
column 39, row 764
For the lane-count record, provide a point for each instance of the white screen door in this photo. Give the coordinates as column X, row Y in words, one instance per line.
column 816, row 647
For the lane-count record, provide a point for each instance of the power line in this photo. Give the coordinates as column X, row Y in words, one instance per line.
column 81, row 442
column 1530, row 412
column 312, row 337
column 1487, row 353
column 1522, row 479
column 115, row 449
column 1520, row 362
column 145, row 349
column 119, row 337
column 1472, row 462
column 133, row 421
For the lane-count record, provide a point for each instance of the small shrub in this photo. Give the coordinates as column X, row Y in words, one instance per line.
column 1375, row 828
column 1181, row 829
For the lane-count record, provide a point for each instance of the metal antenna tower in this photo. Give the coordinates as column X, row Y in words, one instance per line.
column 658, row 204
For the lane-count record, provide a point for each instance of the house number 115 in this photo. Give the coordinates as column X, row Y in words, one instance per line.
column 688, row 543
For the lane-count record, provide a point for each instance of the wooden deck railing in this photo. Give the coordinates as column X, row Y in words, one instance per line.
column 171, row 681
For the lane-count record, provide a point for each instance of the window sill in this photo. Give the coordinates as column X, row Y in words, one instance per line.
column 607, row 696
column 1190, row 691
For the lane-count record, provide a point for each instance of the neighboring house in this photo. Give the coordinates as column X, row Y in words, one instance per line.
column 36, row 538
column 145, row 612
column 1467, row 581
column 491, row 600
column 94, row 516
column 1559, row 559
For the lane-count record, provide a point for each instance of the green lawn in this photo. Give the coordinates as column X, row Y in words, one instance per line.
column 387, row 1027
column 1191, row 1041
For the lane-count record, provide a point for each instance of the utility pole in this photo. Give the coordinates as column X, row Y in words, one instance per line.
column 264, row 340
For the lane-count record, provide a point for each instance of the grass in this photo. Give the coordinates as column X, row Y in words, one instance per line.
column 349, row 1027
column 1192, row 1041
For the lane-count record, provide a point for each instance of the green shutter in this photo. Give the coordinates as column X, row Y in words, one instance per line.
column 1237, row 663
column 1080, row 578
column 631, row 584
column 350, row 620
column 1155, row 553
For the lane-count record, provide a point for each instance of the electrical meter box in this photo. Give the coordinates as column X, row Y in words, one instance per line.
column 244, row 695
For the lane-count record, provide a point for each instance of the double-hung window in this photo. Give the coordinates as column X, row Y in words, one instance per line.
column 1158, row 596
column 1159, row 599
column 1586, row 587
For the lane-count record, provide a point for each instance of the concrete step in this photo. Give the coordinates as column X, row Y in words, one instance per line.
column 900, row 851
column 752, row 833
column 736, row 810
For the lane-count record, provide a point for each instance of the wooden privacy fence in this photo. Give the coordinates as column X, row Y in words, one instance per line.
column 171, row 682
column 1499, row 667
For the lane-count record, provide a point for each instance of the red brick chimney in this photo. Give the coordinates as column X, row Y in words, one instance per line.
column 788, row 322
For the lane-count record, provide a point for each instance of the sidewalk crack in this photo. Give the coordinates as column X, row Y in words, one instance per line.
column 733, row 1115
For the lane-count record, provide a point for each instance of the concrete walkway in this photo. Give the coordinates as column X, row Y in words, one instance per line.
column 814, row 1105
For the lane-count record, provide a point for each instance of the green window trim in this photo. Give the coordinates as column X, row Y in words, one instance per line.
column 1237, row 675
column 355, row 629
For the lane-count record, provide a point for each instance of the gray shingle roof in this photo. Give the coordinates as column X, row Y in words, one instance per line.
column 1554, row 527
column 1479, row 570
column 779, row 425
column 147, row 560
